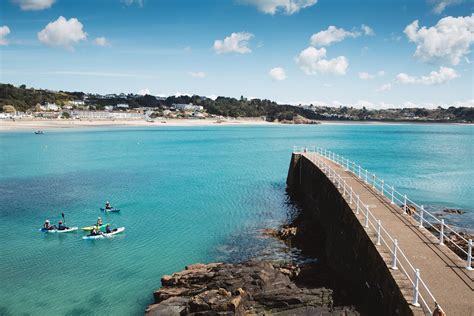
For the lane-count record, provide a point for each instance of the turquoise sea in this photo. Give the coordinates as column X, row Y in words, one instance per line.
column 187, row 195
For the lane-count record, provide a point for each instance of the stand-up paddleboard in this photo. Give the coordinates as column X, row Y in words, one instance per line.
column 113, row 209
column 114, row 232
column 68, row 230
column 89, row 228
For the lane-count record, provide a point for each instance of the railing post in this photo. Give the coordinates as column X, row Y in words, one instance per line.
column 373, row 180
column 366, row 176
column 347, row 164
column 441, row 233
column 393, row 191
column 350, row 197
column 416, row 292
column 366, row 224
column 394, row 255
column 358, row 204
column 353, row 167
column 405, row 205
column 421, row 216
column 345, row 184
column 379, row 227
column 359, row 171
column 382, row 185
column 469, row 255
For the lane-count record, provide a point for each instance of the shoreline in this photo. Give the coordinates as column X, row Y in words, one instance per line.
column 39, row 124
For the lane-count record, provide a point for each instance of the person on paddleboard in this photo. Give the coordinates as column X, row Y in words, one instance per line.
column 62, row 226
column 107, row 229
column 108, row 206
column 48, row 226
column 95, row 231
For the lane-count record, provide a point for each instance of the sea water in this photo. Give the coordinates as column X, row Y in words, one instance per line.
column 187, row 195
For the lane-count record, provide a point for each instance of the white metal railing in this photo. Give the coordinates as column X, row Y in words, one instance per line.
column 408, row 207
column 422, row 296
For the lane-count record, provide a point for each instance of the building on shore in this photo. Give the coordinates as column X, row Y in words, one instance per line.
column 188, row 107
column 103, row 115
column 50, row 107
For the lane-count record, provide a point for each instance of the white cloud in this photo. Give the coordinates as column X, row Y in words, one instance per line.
column 449, row 40
column 62, row 33
column 277, row 73
column 444, row 74
column 34, row 5
column 312, row 61
column 285, row 6
column 197, row 74
column 385, row 87
column 364, row 103
column 367, row 30
column 130, row 2
column 236, row 42
column 467, row 103
column 368, row 76
column 144, row 91
column 440, row 5
column 331, row 35
column 4, row 31
column 334, row 35
column 101, row 41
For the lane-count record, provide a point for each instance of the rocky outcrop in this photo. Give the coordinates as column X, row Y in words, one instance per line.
column 454, row 211
column 298, row 119
column 253, row 288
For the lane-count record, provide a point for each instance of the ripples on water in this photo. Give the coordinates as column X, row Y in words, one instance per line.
column 187, row 195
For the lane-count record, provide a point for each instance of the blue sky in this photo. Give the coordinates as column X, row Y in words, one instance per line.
column 327, row 52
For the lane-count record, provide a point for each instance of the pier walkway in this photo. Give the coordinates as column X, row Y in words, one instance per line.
column 427, row 271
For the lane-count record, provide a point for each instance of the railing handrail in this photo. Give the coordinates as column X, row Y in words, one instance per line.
column 395, row 195
column 334, row 177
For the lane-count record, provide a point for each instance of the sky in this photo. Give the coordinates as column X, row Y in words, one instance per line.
column 373, row 53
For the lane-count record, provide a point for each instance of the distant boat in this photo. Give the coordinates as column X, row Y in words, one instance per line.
column 39, row 132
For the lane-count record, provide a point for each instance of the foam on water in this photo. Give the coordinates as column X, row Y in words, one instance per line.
column 187, row 195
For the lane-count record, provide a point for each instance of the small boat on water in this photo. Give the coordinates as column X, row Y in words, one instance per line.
column 105, row 235
column 39, row 132
column 89, row 228
column 67, row 230
column 113, row 209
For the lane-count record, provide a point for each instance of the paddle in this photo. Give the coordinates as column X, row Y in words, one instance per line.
column 64, row 220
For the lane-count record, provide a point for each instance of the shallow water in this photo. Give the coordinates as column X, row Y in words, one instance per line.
column 187, row 195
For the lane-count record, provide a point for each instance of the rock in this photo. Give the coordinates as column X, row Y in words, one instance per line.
column 454, row 211
column 239, row 289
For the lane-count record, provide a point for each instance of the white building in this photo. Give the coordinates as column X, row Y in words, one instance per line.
column 102, row 115
column 109, row 108
column 126, row 116
column 77, row 102
column 188, row 107
column 50, row 107
column 122, row 105
column 90, row 115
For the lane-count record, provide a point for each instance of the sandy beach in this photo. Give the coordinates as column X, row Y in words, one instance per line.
column 42, row 124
